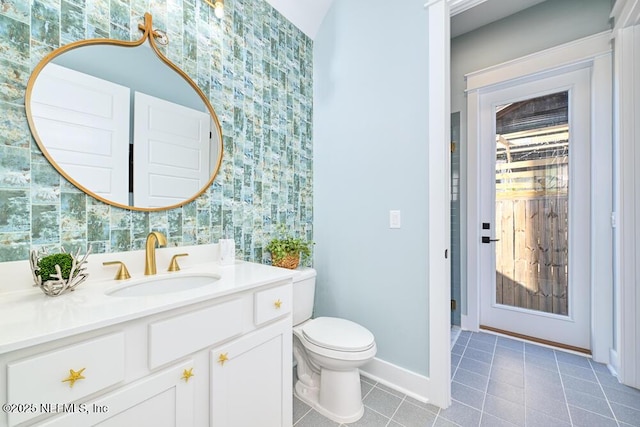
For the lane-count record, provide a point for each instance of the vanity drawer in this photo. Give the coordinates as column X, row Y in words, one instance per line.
column 178, row 336
column 272, row 303
column 65, row 375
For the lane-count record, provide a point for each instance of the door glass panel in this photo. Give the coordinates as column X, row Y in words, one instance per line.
column 532, row 189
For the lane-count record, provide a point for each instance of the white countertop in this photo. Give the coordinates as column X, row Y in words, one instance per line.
column 29, row 317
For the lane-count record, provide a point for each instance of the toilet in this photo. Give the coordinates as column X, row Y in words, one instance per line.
column 328, row 352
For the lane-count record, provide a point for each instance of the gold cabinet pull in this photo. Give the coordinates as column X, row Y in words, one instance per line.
column 74, row 376
column 223, row 358
column 173, row 265
column 123, row 273
column 186, row 374
column 278, row 304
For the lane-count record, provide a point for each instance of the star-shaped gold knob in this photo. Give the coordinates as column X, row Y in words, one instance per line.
column 223, row 358
column 74, row 376
column 278, row 303
column 186, row 374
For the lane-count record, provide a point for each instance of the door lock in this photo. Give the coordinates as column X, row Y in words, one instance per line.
column 487, row 239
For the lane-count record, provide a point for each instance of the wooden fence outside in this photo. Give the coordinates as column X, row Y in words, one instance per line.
column 532, row 225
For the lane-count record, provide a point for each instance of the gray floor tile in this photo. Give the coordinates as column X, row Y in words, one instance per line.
column 510, row 343
column 410, row 415
column 471, row 379
column 626, row 415
column 458, row 348
column 443, row 422
column 370, row 419
column 625, row 398
column 506, row 391
column 474, row 366
column 483, row 336
column 427, row 406
column 382, row 402
column 479, row 355
column 549, row 405
column 506, row 376
column 367, row 380
column 541, row 362
column 580, row 417
column 365, row 388
column 515, row 364
column 599, row 367
column 314, row 419
column 502, row 382
column 299, row 409
column 491, row 421
column 539, row 351
column 588, row 402
column 467, row 395
column 509, row 352
column 540, row 419
column 573, row 383
column 577, row 371
column 504, row 409
column 461, row 414
column 455, row 359
column 552, row 391
column 564, row 357
column 390, row 390
column 481, row 345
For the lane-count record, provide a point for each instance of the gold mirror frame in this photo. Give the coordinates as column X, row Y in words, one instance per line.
column 150, row 34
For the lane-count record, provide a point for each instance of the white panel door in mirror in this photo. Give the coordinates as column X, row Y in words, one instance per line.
column 171, row 150
column 85, row 119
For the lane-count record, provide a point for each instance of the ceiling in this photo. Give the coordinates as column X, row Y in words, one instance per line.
column 307, row 15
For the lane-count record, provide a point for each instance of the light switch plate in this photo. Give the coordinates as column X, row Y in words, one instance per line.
column 394, row 219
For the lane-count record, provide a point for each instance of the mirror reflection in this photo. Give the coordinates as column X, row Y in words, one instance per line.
column 124, row 124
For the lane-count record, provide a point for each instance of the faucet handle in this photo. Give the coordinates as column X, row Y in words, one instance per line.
column 122, row 273
column 173, row 265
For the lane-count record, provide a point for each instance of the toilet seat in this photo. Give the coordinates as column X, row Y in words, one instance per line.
column 337, row 334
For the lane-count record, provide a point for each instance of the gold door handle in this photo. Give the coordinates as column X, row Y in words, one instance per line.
column 186, row 374
column 278, row 304
column 74, row 376
column 223, row 358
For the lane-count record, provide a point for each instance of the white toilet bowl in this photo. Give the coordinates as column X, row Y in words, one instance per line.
column 329, row 352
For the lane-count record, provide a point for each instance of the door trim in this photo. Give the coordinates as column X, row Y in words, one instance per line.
column 593, row 52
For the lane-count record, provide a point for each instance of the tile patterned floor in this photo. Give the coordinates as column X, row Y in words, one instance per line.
column 499, row 382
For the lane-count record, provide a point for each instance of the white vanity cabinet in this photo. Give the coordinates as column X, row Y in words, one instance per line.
column 251, row 377
column 223, row 362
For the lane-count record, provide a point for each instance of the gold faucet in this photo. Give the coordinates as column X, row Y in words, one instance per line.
column 153, row 238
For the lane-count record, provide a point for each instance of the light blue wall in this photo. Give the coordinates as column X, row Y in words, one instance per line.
column 545, row 25
column 370, row 156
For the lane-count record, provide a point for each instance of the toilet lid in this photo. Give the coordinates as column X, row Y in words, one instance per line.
column 338, row 334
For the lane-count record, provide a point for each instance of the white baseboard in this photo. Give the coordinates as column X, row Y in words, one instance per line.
column 401, row 379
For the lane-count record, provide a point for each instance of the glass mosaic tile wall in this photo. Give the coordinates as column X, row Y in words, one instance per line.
column 256, row 68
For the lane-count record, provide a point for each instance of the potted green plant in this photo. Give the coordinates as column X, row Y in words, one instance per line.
column 58, row 273
column 286, row 250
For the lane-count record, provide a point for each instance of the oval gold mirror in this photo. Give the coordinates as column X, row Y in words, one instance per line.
column 123, row 123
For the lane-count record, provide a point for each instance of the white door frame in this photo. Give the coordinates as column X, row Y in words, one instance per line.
column 625, row 354
column 593, row 52
column 439, row 237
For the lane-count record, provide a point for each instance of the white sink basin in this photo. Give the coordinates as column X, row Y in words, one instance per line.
column 163, row 285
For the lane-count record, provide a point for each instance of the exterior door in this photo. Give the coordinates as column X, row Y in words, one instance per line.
column 535, row 208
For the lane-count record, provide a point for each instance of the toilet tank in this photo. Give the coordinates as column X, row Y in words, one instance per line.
column 304, row 287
